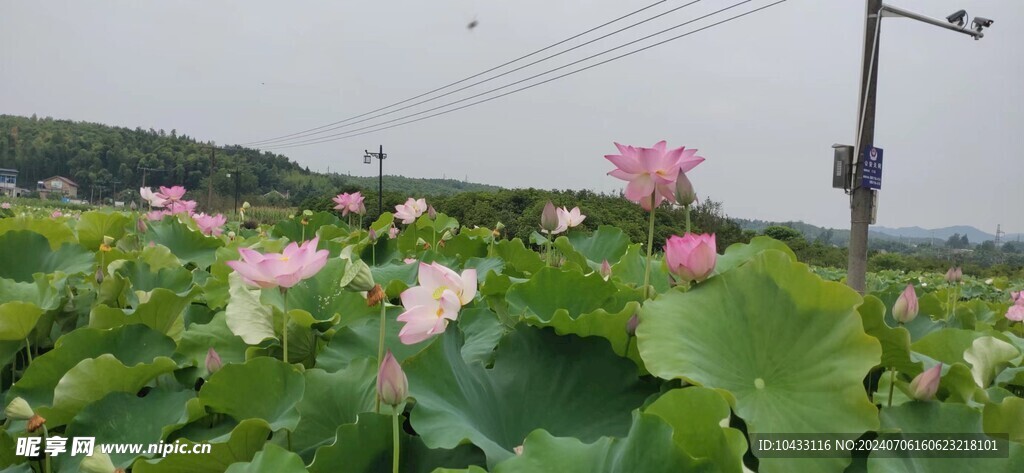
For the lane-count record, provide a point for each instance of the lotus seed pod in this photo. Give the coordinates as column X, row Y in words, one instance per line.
column 19, row 409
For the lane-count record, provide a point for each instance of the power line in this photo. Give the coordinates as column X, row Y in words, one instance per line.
column 304, row 132
column 460, row 89
column 360, row 132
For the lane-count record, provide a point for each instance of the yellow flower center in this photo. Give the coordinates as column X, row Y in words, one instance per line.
column 283, row 258
column 440, row 312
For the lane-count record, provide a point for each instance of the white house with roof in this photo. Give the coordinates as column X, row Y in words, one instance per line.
column 8, row 182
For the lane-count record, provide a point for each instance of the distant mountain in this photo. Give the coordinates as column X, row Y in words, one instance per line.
column 973, row 234
column 414, row 186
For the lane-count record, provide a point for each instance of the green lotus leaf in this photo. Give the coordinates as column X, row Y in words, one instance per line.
column 395, row 277
column 320, row 295
column 958, row 381
column 695, row 415
column 606, row 244
column 360, row 339
column 630, row 269
column 247, row 438
column 600, row 323
column 159, row 257
column 519, row 261
column 738, row 253
column 895, row 341
column 988, row 357
column 132, row 344
column 197, row 340
column 366, row 447
column 946, row 345
column 188, row 245
column 536, row 383
column 572, row 259
column 261, row 388
column 56, row 233
column 922, row 325
column 46, row 292
column 24, row 253
column 122, row 417
column 1005, row 418
column 294, row 230
column 332, row 400
column 272, row 459
column 484, row 266
column 552, row 290
column 463, row 247
column 145, row 278
column 246, row 316
column 9, row 460
column 94, row 225
column 649, row 448
column 92, row 379
column 18, row 319
column 161, row 312
column 939, row 417
column 482, row 331
column 787, row 346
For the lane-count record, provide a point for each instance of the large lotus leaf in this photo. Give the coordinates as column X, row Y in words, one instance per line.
column 484, row 266
column 145, row 278
column 294, row 230
column 395, row 277
column 572, row 259
column 320, row 295
column 132, row 344
column 630, row 269
column 464, row 247
column 895, row 341
column 569, row 386
column 92, row 379
column 366, row 447
column 331, row 400
column 246, row 316
column 127, row 418
column 197, row 340
column 789, row 347
column 360, row 339
column 938, row 418
column 649, row 448
column 24, row 253
column 988, row 357
column 946, row 345
column 9, row 460
column 519, row 261
column 696, row 415
column 188, row 245
column 600, row 323
column 553, row 290
column 261, row 388
column 482, row 331
column 18, row 319
column 94, row 225
column 1005, row 418
column 46, row 292
column 55, row 232
column 161, row 312
column 272, row 459
column 247, row 438
column 606, row 244
column 958, row 381
column 159, row 257
column 739, row 253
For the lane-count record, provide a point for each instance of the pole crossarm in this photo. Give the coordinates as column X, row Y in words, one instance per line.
column 891, row 11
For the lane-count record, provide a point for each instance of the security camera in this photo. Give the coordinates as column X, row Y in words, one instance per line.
column 980, row 23
column 957, row 17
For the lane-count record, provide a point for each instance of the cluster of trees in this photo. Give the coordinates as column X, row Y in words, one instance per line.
column 957, row 241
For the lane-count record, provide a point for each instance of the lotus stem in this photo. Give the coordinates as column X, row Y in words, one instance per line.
column 284, row 323
column 629, row 340
column 547, row 253
column 395, row 441
column 650, row 248
column 28, row 349
column 380, row 345
column 46, row 435
column 892, row 384
column 687, row 209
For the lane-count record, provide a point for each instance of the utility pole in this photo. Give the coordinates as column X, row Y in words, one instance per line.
column 367, row 159
column 209, row 192
column 861, row 198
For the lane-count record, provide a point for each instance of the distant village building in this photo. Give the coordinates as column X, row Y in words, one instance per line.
column 57, row 185
column 8, row 182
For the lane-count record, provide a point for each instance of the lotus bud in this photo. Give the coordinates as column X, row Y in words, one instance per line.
column 213, row 362
column 375, row 296
column 373, row 235
column 307, row 213
column 684, row 190
column 691, row 257
column 905, row 308
column 392, row 384
column 393, row 233
column 950, row 275
column 925, row 385
column 19, row 409
column 98, row 462
column 631, row 325
column 245, row 205
column 606, row 270
column 140, row 226
column 958, row 274
column 431, row 212
column 99, row 275
column 549, row 218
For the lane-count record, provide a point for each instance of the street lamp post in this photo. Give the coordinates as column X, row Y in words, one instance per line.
column 367, row 159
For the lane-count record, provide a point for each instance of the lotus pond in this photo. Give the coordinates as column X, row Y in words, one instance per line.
column 135, row 331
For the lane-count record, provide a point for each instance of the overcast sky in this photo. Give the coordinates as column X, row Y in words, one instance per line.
column 762, row 97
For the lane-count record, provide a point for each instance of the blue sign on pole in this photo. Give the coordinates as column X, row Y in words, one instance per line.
column 871, row 176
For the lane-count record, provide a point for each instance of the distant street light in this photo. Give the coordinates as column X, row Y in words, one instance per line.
column 367, row 159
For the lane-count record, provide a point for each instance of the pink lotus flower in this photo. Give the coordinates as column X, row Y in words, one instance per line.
column 154, row 199
column 285, row 269
column 209, row 224
column 1017, row 297
column 411, row 210
column 606, row 270
column 56, row 214
column 651, row 171
column 1016, row 313
column 551, row 221
column 691, row 257
column 156, row 215
column 350, row 203
column 954, row 275
column 187, row 207
column 5, row 205
column 392, row 384
column 393, row 233
column 436, row 301
column 925, row 385
column 905, row 308
column 172, row 194
column 409, row 260
column 571, row 218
